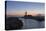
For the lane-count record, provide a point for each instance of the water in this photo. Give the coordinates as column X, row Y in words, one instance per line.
column 30, row 23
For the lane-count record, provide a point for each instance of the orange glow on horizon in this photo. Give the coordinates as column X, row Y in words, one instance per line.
column 21, row 13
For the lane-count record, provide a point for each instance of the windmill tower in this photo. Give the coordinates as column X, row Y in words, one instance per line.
column 26, row 13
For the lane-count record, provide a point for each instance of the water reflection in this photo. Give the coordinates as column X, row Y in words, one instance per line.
column 30, row 23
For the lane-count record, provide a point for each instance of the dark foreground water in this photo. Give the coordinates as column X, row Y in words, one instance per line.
column 30, row 23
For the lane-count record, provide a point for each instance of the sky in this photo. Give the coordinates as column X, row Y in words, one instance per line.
column 17, row 8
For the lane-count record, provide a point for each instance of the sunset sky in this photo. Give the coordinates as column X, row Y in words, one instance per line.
column 16, row 8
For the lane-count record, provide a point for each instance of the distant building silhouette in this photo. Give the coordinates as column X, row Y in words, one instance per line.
column 38, row 17
column 27, row 16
